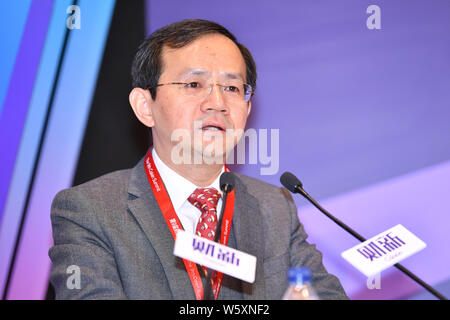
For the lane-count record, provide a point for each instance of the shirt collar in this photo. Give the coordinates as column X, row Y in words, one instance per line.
column 178, row 187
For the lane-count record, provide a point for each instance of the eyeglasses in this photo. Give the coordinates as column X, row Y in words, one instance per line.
column 234, row 92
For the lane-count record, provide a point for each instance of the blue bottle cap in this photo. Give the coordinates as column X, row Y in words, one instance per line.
column 299, row 275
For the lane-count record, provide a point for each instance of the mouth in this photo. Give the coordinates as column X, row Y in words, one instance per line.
column 212, row 128
column 213, row 125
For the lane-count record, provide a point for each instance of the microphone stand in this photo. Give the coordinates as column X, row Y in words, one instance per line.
column 208, row 290
column 362, row 239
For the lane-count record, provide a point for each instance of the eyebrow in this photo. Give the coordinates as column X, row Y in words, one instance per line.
column 201, row 72
column 232, row 75
column 192, row 72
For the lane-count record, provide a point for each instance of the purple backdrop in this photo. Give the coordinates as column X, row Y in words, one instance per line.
column 363, row 117
column 15, row 107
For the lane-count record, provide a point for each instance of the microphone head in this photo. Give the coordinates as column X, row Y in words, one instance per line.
column 227, row 181
column 290, row 182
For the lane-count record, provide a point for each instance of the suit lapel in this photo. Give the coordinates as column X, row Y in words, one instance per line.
column 247, row 224
column 145, row 209
column 248, row 231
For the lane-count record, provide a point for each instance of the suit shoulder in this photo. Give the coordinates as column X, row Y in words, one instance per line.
column 258, row 187
column 102, row 189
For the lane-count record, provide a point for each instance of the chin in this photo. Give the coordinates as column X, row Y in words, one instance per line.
column 211, row 154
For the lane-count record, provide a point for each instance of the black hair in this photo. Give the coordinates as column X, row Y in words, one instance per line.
column 147, row 64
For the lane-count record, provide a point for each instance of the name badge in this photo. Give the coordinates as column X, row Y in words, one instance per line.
column 213, row 255
column 383, row 250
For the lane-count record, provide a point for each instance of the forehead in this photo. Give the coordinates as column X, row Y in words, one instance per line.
column 212, row 53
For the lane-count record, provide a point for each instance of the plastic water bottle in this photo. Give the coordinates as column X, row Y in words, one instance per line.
column 299, row 285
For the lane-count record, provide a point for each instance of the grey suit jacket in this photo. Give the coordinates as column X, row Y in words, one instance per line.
column 112, row 229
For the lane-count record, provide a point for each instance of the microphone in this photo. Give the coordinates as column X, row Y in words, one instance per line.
column 226, row 182
column 294, row 185
column 226, row 185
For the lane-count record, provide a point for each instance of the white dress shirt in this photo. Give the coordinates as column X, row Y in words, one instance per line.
column 179, row 189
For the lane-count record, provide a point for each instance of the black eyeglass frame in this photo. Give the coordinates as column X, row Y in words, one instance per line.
column 246, row 93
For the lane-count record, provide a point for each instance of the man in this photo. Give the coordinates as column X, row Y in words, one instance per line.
column 191, row 77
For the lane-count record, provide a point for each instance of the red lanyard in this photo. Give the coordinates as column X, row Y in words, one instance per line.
column 164, row 203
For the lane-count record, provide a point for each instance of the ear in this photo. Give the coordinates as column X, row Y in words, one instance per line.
column 249, row 107
column 141, row 102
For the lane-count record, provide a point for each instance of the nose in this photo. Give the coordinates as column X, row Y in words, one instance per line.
column 215, row 100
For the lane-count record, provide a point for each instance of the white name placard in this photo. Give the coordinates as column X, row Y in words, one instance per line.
column 383, row 250
column 213, row 255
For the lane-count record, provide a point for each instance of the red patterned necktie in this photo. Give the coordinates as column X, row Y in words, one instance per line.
column 205, row 199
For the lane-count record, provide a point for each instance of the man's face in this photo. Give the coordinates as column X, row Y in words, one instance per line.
column 213, row 59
